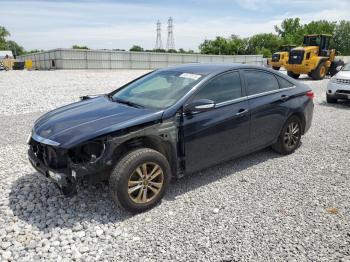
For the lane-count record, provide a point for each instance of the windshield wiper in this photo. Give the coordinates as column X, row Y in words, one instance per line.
column 121, row 101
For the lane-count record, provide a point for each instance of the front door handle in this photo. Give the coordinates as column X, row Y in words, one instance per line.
column 284, row 97
column 241, row 112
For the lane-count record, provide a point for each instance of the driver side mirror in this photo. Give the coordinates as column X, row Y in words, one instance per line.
column 200, row 105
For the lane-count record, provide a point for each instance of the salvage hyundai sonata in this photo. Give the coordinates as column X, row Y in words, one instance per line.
column 169, row 123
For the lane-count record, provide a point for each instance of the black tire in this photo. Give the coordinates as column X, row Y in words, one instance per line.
column 291, row 74
column 276, row 67
column 69, row 190
column 333, row 68
column 320, row 72
column 309, row 75
column 126, row 168
column 282, row 145
column 331, row 100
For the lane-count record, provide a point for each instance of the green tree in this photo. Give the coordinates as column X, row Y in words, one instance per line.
column 223, row 46
column 342, row 37
column 34, row 51
column 237, row 45
column 183, row 51
column 260, row 43
column 172, row 51
column 136, row 48
column 159, row 50
column 264, row 51
column 218, row 46
column 15, row 48
column 3, row 34
column 291, row 31
column 79, row 47
column 319, row 27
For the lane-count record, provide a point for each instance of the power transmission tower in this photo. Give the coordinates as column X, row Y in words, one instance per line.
column 159, row 44
column 170, row 44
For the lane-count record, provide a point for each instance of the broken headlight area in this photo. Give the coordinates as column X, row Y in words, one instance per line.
column 88, row 153
column 50, row 156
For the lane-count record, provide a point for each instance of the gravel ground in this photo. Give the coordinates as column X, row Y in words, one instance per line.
column 257, row 208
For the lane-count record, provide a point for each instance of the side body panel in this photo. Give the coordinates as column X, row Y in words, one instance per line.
column 214, row 136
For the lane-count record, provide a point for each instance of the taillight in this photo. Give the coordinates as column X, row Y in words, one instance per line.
column 310, row 94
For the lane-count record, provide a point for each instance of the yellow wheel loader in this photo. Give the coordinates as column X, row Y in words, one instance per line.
column 314, row 58
column 280, row 58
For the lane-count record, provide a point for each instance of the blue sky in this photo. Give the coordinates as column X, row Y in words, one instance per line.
column 120, row 24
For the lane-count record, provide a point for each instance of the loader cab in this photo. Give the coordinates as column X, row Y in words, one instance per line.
column 287, row 48
column 321, row 41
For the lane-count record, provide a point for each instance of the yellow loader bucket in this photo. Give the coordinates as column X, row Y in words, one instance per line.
column 28, row 64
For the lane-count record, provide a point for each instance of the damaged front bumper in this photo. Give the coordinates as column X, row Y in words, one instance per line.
column 62, row 178
column 55, row 164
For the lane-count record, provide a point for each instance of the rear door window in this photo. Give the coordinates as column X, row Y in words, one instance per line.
column 260, row 82
column 221, row 89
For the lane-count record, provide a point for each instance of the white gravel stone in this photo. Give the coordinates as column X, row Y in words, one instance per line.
column 261, row 207
column 7, row 255
column 215, row 210
column 99, row 232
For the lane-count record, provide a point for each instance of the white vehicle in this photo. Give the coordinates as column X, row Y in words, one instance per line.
column 339, row 85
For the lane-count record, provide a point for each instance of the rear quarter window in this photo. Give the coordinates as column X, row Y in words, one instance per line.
column 284, row 83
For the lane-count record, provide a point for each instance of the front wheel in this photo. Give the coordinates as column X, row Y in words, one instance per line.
column 291, row 74
column 331, row 100
column 320, row 72
column 139, row 180
column 289, row 139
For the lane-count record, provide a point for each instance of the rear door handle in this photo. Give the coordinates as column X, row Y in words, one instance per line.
column 284, row 97
column 241, row 112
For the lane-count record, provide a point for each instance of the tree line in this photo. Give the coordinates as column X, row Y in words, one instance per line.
column 137, row 48
column 291, row 31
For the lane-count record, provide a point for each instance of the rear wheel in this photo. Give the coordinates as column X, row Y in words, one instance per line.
column 289, row 139
column 320, row 72
column 276, row 67
column 291, row 74
column 331, row 100
column 139, row 180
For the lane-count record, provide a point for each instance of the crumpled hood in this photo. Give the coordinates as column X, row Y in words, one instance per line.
column 81, row 121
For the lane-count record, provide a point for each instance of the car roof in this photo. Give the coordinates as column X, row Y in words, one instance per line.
column 206, row 69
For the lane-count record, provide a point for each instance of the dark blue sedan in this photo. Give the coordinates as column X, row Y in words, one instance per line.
column 169, row 123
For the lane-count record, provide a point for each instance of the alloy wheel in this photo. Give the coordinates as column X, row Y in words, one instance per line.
column 145, row 183
column 292, row 135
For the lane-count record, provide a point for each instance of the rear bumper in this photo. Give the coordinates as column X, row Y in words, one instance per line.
column 308, row 113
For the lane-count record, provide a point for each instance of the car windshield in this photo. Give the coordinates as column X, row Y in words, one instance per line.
column 159, row 89
column 346, row 67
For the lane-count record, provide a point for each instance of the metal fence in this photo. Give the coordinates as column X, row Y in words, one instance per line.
column 104, row 59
